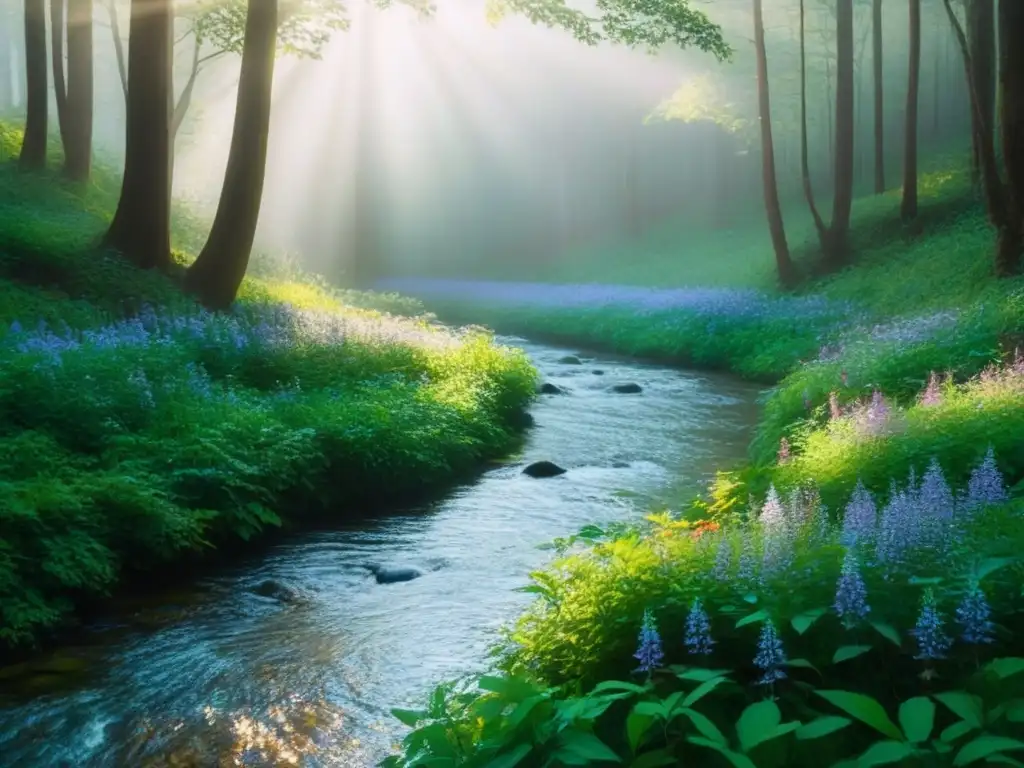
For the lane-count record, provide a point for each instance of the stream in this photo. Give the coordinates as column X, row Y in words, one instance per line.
column 215, row 675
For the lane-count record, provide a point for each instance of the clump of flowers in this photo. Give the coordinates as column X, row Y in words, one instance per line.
column 973, row 614
column 851, row 594
column 698, row 630
column 932, row 641
column 771, row 657
column 649, row 652
column 985, row 485
column 860, row 518
column 932, row 394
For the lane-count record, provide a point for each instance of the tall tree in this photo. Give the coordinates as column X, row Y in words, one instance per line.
column 58, row 26
column 6, row 81
column 74, row 95
column 908, row 207
column 33, row 147
column 877, row 40
column 773, row 208
column 981, row 34
column 218, row 272
column 141, row 228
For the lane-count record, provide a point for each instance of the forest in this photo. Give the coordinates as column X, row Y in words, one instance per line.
column 508, row 383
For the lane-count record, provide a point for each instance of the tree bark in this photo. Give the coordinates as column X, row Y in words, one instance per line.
column 981, row 34
column 218, row 272
column 908, row 208
column 58, row 26
column 33, row 148
column 1011, row 119
column 115, row 33
column 79, row 101
column 877, row 38
column 141, row 228
column 839, row 246
column 805, row 165
column 773, row 208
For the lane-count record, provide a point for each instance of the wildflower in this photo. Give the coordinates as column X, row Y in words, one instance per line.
column 932, row 395
column 834, row 411
column 773, row 514
column 649, row 650
column 860, row 518
column 973, row 616
column 747, row 571
column 723, row 559
column 851, row 594
column 934, row 496
column 898, row 529
column 878, row 412
column 770, row 658
column 932, row 641
column 698, row 630
column 783, row 454
column 986, row 484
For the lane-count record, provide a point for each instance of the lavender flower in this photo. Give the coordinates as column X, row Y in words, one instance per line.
column 723, row 559
column 698, row 630
column 851, row 594
column 773, row 514
column 860, row 518
column 986, row 484
column 770, row 658
column 747, row 570
column 934, row 496
column 973, row 614
column 898, row 530
column 932, row 641
column 649, row 649
column 932, row 395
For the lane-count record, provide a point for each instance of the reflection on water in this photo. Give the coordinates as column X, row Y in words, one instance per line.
column 224, row 677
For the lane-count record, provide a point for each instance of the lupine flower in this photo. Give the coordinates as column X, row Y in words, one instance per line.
column 986, row 484
column 898, row 530
column 649, row 648
column 932, row 641
column 860, row 518
column 851, row 594
column 934, row 495
column 973, row 615
column 698, row 630
column 932, row 395
column 770, row 658
column 723, row 559
column 783, row 454
column 773, row 514
column 747, row 570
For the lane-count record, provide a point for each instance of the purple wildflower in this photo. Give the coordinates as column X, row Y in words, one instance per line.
column 934, row 495
column 932, row 395
column 723, row 559
column 698, row 630
column 649, row 649
column 986, row 484
column 932, row 641
column 973, row 614
column 773, row 514
column 898, row 530
column 851, row 594
column 783, row 454
column 860, row 518
column 770, row 658
column 747, row 570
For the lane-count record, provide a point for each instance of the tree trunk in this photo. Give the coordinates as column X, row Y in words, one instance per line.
column 908, row 208
column 141, row 228
column 6, row 88
column 218, row 272
column 115, row 33
column 58, row 26
column 876, row 28
column 839, row 246
column 805, row 165
column 79, row 102
column 33, row 148
column 1011, row 119
column 772, row 206
column 981, row 34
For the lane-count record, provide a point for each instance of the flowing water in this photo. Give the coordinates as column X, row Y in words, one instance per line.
column 217, row 675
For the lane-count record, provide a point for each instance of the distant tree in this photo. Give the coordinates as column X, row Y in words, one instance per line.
column 879, row 89
column 74, row 96
column 6, row 75
column 141, row 228
column 773, row 208
column 908, row 207
column 981, row 33
column 33, row 148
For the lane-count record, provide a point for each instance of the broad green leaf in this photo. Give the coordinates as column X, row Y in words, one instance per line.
column 992, row 565
column 752, row 619
column 637, row 725
column 707, row 728
column 917, row 718
column 885, row 753
column 969, row 707
column 752, row 599
column 802, row 664
column 1005, row 667
column 702, row 690
column 698, row 674
column 921, row 581
column 523, row 710
column 670, row 703
column 804, row 621
column 581, row 745
column 409, row 717
column 617, row 685
column 847, row 652
column 735, row 758
column 985, row 746
column 886, row 631
column 510, row 759
column 1015, row 711
column 758, row 724
column 865, row 709
column 955, row 731
column 823, row 726
column 649, row 709
column 655, row 759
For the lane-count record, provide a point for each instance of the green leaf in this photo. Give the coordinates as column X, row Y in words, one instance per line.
column 735, row 758
column 802, row 664
column 921, row 581
column 823, row 726
column 581, row 745
column 752, row 599
column 758, row 724
column 703, row 690
column 917, row 718
column 955, row 731
column 885, row 753
column 968, row 707
column 707, row 728
column 1015, row 711
column 847, row 652
column 409, row 717
column 752, row 619
column 1005, row 667
column 985, row 746
column 886, row 631
column 1004, row 760
column 616, row 685
column 804, row 621
column 698, row 674
column 510, row 759
column 655, row 759
column 650, row 709
column 865, row 709
column 992, row 565
column 637, row 725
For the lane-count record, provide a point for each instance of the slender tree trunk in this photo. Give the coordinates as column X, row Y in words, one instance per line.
column 115, row 33
column 6, row 87
column 839, row 246
column 981, row 33
column 772, row 206
column 908, row 208
column 58, row 26
column 805, row 165
column 218, row 272
column 1011, row 120
column 33, row 148
column 79, row 102
column 185, row 98
column 877, row 38
column 141, row 228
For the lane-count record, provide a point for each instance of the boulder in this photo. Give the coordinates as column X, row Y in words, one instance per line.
column 395, row 575
column 543, row 469
column 570, row 360
column 547, row 388
column 629, row 388
column 597, row 372
column 277, row 590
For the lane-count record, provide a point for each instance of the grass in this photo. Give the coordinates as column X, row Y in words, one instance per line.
column 837, row 579
column 139, row 433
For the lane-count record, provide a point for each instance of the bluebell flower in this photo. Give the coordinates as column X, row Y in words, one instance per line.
column 698, row 630
column 860, row 518
column 932, row 641
column 934, row 496
column 986, row 485
column 770, row 658
column 851, row 594
column 973, row 614
column 747, row 570
column 649, row 651
column 723, row 559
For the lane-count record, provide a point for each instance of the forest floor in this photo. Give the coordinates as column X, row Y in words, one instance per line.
column 138, row 431
column 883, row 492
